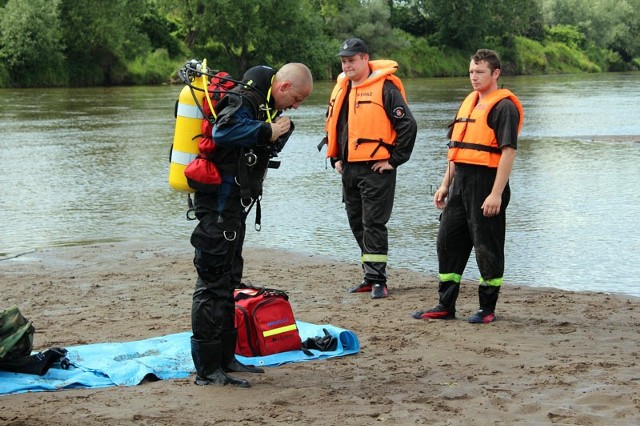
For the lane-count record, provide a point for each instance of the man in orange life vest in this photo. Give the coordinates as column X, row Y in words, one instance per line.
column 370, row 132
column 475, row 190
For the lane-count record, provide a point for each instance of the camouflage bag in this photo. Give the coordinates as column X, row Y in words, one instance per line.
column 16, row 343
column 16, row 335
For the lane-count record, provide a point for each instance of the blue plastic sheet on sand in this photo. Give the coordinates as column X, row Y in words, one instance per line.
column 166, row 357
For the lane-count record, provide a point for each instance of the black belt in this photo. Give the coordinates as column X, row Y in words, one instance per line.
column 364, row 163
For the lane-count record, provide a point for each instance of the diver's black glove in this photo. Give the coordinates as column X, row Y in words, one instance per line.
column 326, row 343
column 279, row 143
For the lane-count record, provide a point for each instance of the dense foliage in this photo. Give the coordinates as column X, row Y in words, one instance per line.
column 109, row 42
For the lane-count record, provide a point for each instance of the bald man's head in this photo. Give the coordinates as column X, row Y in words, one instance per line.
column 292, row 85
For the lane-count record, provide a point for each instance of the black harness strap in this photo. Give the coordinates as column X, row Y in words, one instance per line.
column 380, row 143
column 243, row 180
column 477, row 147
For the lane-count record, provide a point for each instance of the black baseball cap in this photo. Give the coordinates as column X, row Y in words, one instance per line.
column 353, row 46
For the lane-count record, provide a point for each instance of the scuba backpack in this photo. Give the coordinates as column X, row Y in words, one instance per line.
column 191, row 167
column 202, row 173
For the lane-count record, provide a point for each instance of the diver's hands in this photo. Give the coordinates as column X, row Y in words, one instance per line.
column 279, row 127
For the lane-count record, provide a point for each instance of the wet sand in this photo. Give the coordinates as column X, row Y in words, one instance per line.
column 552, row 357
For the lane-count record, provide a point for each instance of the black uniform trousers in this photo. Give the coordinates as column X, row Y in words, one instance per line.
column 463, row 226
column 368, row 198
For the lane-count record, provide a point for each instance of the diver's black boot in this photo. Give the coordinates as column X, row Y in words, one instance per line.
column 229, row 361
column 206, row 358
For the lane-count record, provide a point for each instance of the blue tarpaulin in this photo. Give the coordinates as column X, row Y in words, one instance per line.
column 166, row 357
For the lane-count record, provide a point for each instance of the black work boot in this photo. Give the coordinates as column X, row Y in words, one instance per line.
column 488, row 297
column 446, row 307
column 364, row 287
column 206, row 358
column 229, row 361
column 379, row 291
column 375, row 274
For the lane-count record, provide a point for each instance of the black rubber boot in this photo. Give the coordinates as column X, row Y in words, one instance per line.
column 448, row 295
column 206, row 358
column 446, row 307
column 229, row 361
column 488, row 297
column 375, row 272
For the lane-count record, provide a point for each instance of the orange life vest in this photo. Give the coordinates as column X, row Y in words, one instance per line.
column 472, row 140
column 370, row 134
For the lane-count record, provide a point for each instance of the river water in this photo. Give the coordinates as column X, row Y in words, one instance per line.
column 90, row 165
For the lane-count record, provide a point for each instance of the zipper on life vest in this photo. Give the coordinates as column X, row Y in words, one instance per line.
column 362, row 102
column 332, row 104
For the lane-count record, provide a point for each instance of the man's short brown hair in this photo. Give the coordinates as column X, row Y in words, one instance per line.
column 490, row 56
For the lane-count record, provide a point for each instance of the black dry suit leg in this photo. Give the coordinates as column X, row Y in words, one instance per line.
column 229, row 361
column 207, row 359
column 212, row 315
column 216, row 238
column 448, row 294
column 488, row 297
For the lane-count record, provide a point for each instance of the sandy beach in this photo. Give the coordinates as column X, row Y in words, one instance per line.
column 552, row 357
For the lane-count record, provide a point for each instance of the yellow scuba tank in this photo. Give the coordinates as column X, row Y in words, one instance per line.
column 188, row 127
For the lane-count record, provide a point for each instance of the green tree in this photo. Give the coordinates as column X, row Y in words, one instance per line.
column 101, row 37
column 31, row 46
column 237, row 34
column 188, row 16
column 461, row 24
column 100, row 42
column 160, row 30
column 411, row 17
column 616, row 25
column 511, row 18
column 369, row 20
column 339, row 17
column 469, row 24
column 606, row 24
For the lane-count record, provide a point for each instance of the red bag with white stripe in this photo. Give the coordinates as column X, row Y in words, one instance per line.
column 265, row 322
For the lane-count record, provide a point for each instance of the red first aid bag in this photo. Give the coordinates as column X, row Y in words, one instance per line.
column 265, row 322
